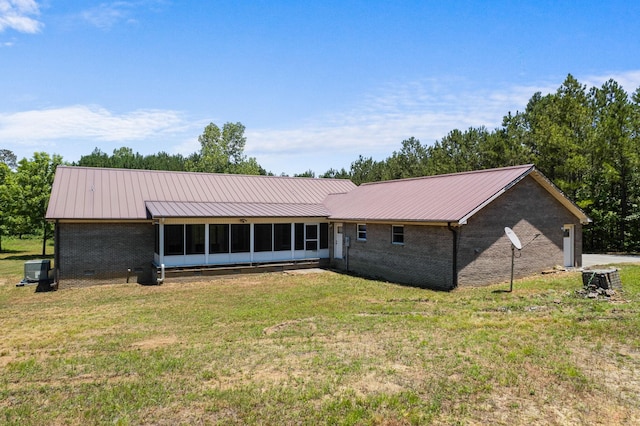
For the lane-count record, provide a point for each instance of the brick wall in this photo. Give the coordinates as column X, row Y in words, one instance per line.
column 484, row 253
column 424, row 260
column 99, row 253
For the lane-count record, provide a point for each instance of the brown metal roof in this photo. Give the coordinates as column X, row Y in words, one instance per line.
column 443, row 198
column 188, row 209
column 96, row 193
column 82, row 193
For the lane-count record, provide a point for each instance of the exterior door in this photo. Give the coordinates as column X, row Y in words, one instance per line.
column 568, row 245
column 311, row 238
column 337, row 241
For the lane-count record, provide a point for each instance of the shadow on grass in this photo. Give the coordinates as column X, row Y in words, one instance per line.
column 29, row 257
column 380, row 279
column 11, row 251
column 501, row 291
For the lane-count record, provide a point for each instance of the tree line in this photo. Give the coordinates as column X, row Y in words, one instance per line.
column 585, row 140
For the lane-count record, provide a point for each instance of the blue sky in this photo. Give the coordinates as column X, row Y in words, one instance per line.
column 315, row 83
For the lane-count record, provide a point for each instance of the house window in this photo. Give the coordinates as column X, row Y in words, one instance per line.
column 299, row 230
column 240, row 238
column 218, row 238
column 362, row 232
column 262, row 237
column 397, row 234
column 282, row 236
column 173, row 240
column 324, row 236
column 195, row 239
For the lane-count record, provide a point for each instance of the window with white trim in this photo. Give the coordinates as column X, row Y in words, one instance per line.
column 362, row 232
column 397, row 234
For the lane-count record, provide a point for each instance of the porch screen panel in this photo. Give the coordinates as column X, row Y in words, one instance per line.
column 324, row 235
column 240, row 238
column 262, row 237
column 219, row 238
column 195, row 239
column 173, row 240
column 282, row 236
column 299, row 229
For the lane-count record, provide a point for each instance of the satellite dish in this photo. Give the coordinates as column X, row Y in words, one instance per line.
column 513, row 237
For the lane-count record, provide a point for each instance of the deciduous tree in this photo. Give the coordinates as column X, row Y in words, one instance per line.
column 33, row 180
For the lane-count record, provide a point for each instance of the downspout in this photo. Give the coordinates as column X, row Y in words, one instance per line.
column 56, row 252
column 161, row 279
column 454, row 231
column 161, row 250
column 347, row 257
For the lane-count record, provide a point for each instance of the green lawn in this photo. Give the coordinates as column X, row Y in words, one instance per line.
column 319, row 349
column 16, row 251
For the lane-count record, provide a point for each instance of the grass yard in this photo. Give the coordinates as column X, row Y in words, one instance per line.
column 319, row 348
column 16, row 251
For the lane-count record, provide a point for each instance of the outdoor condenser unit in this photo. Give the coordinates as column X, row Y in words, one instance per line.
column 36, row 270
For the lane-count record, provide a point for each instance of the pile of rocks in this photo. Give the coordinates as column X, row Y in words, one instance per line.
column 600, row 283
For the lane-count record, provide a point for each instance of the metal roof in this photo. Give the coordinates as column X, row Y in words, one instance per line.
column 88, row 193
column 451, row 198
column 188, row 209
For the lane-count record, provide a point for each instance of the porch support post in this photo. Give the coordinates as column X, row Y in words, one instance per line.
column 161, row 242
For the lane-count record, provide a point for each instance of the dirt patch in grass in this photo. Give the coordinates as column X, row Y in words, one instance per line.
column 301, row 325
column 373, row 383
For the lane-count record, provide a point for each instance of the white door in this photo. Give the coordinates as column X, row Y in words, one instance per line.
column 568, row 244
column 337, row 241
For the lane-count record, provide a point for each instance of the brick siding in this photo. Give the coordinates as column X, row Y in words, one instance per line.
column 425, row 258
column 484, row 253
column 101, row 253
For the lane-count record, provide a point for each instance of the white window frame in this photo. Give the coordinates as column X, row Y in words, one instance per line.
column 394, row 233
column 362, row 235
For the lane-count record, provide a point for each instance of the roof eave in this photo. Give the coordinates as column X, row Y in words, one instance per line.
column 431, row 222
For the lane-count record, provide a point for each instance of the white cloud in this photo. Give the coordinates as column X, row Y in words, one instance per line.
column 19, row 15
column 630, row 81
column 106, row 15
column 86, row 122
column 427, row 110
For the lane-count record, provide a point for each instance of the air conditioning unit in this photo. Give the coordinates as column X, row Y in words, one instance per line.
column 36, row 270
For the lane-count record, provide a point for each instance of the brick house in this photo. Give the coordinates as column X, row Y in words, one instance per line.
column 438, row 231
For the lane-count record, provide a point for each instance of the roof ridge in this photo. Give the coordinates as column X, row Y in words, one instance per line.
column 232, row 202
column 495, row 169
column 200, row 173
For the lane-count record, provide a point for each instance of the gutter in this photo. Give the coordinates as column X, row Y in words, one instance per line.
column 454, row 231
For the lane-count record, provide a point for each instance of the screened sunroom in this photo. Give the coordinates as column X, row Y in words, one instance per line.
column 237, row 240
